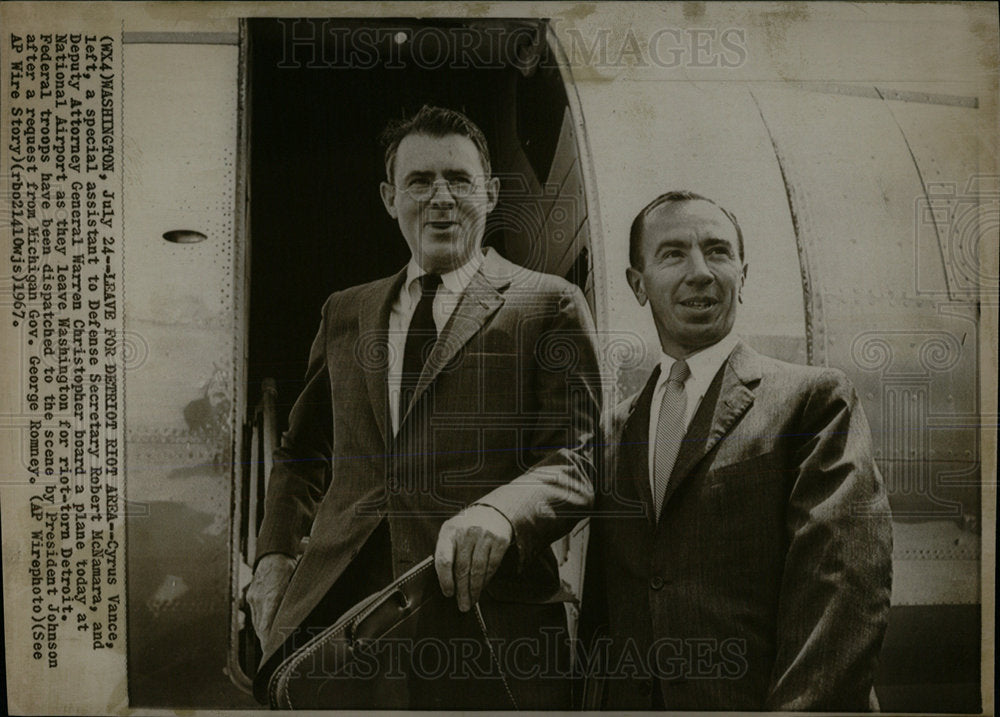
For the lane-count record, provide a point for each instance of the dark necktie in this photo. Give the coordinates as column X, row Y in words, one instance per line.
column 420, row 338
column 669, row 431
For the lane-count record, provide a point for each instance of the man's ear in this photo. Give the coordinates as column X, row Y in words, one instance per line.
column 492, row 192
column 743, row 280
column 635, row 281
column 388, row 193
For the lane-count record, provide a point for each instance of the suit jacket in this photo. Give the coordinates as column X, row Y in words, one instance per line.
column 505, row 413
column 765, row 584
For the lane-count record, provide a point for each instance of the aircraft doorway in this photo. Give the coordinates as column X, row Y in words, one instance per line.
column 318, row 93
column 317, row 223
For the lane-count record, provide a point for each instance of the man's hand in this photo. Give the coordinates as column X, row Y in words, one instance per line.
column 266, row 590
column 469, row 549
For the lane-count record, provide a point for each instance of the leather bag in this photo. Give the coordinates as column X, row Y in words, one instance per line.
column 343, row 667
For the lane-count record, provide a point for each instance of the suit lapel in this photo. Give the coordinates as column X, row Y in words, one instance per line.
column 634, row 446
column 728, row 397
column 373, row 333
column 480, row 300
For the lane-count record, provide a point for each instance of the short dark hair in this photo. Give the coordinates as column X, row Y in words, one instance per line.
column 433, row 122
column 679, row 195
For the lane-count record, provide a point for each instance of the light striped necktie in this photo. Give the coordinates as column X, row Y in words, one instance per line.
column 670, row 431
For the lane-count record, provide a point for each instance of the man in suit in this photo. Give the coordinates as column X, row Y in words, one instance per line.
column 740, row 557
column 450, row 410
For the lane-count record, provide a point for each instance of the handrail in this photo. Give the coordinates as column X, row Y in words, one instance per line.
column 262, row 428
column 265, row 440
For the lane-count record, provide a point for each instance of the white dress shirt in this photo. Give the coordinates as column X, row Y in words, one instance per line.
column 703, row 365
column 449, row 293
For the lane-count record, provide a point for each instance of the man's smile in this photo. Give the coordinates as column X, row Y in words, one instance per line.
column 699, row 303
column 441, row 224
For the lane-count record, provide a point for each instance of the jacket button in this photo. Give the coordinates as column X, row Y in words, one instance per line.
column 656, row 582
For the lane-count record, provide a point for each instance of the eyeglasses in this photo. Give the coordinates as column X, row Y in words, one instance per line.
column 420, row 190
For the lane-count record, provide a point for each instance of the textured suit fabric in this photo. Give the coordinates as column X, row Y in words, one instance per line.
column 766, row 582
column 505, row 413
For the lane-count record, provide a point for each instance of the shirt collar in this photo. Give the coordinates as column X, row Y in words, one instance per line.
column 703, row 364
column 455, row 281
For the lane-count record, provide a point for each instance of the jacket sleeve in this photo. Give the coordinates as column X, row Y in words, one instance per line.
column 835, row 589
column 546, row 501
column 301, row 473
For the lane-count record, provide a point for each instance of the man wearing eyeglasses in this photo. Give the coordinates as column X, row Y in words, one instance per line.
column 449, row 410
